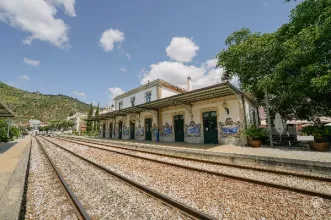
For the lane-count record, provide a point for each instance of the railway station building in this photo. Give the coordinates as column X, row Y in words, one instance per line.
column 161, row 111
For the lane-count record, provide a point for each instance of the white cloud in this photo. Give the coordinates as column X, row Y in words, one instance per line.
column 128, row 56
column 123, row 69
column 182, row 49
column 81, row 94
column 69, row 6
column 177, row 73
column 24, row 77
column 31, row 62
column 113, row 92
column 211, row 63
column 109, row 37
column 235, row 81
column 37, row 17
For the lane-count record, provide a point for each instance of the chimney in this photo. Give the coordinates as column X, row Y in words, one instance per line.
column 188, row 84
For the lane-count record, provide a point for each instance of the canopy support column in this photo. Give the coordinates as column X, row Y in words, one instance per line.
column 9, row 123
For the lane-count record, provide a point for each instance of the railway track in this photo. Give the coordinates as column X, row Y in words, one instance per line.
column 255, row 181
column 79, row 209
column 184, row 209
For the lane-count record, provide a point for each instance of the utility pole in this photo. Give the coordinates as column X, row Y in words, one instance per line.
column 268, row 118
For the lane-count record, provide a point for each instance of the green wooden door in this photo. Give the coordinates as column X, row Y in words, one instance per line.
column 179, row 128
column 104, row 130
column 132, row 130
column 210, row 131
column 148, row 129
column 111, row 130
column 120, row 127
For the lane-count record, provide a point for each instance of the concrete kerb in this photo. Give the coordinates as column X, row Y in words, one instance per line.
column 11, row 201
column 276, row 163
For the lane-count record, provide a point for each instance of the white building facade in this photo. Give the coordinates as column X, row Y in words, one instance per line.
column 160, row 111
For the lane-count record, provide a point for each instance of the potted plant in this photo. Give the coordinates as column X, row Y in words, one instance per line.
column 321, row 134
column 256, row 135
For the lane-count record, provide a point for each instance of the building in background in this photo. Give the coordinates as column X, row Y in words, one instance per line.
column 78, row 119
column 34, row 126
column 161, row 111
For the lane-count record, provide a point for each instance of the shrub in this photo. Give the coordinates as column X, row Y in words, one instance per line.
column 317, row 130
column 256, row 133
column 14, row 132
column 93, row 133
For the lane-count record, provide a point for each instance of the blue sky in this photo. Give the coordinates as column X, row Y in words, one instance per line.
column 94, row 50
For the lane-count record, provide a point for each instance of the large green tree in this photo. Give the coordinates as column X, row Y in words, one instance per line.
column 292, row 64
column 89, row 124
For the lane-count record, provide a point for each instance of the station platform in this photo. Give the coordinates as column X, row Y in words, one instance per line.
column 10, row 154
column 295, row 153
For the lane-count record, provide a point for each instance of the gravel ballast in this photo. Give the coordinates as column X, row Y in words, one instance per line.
column 46, row 199
column 307, row 167
column 104, row 196
column 214, row 195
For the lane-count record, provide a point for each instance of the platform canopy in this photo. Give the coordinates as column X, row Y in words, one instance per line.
column 214, row 91
column 5, row 112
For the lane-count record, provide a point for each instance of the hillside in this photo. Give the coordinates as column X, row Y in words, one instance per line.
column 28, row 105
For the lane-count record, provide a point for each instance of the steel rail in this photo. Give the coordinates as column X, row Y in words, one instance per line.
column 79, row 209
column 187, row 210
column 288, row 188
column 306, row 176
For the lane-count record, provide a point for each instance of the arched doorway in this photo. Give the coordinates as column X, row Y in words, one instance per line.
column 132, row 130
column 148, row 129
column 179, row 128
column 111, row 130
column 120, row 129
column 210, row 131
column 104, row 130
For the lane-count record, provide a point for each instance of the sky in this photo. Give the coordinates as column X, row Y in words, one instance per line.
column 96, row 50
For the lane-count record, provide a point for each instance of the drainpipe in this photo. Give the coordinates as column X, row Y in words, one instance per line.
column 158, row 125
column 244, row 110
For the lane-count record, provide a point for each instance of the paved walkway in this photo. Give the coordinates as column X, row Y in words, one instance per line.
column 298, row 153
column 281, row 152
column 10, row 154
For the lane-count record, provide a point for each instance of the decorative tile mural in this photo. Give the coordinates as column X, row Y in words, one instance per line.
column 193, row 129
column 155, row 130
column 125, row 130
column 140, row 131
column 167, row 130
column 229, row 128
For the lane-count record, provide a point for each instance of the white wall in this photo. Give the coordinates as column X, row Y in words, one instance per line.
column 140, row 98
column 198, row 109
column 249, row 109
column 166, row 92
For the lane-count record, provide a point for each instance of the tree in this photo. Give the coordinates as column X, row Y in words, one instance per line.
column 3, row 131
column 97, row 123
column 292, row 64
column 89, row 124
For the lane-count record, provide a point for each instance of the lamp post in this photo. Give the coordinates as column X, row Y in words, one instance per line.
column 226, row 107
